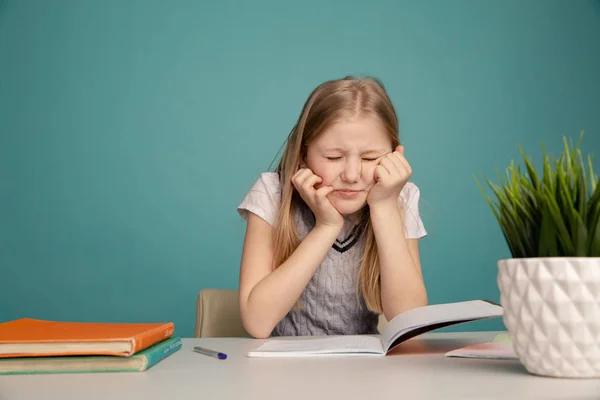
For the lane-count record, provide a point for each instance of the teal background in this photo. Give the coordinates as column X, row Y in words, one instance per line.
column 131, row 130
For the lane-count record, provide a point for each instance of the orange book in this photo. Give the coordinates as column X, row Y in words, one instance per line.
column 28, row 337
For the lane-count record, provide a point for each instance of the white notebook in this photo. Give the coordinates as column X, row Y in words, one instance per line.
column 403, row 327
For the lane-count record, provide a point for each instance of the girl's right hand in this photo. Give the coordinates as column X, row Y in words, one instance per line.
column 326, row 214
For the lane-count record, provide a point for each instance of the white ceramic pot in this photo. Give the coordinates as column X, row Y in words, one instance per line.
column 552, row 313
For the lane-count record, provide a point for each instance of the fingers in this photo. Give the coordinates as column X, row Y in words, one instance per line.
column 402, row 160
column 301, row 174
column 381, row 173
column 399, row 153
column 393, row 164
column 399, row 160
column 305, row 180
column 309, row 183
column 321, row 193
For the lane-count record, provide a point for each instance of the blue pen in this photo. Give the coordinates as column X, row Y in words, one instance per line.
column 210, row 353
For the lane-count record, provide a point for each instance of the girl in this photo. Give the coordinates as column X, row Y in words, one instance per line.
column 332, row 235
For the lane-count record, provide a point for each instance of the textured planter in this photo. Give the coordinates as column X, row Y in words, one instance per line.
column 552, row 313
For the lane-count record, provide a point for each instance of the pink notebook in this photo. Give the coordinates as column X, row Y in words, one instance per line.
column 500, row 349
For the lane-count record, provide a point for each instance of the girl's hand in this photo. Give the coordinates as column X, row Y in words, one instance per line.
column 391, row 175
column 326, row 214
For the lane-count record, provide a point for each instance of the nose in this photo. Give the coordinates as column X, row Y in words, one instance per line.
column 352, row 170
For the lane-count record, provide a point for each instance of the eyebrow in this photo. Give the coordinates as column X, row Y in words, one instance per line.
column 371, row 151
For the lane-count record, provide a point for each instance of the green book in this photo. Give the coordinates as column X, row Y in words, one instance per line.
column 81, row 364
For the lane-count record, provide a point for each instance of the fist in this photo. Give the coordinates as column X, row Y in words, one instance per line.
column 325, row 213
column 391, row 174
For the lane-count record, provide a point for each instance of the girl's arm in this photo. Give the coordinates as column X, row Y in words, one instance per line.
column 266, row 296
column 402, row 286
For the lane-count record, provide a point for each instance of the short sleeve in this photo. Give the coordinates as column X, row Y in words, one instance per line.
column 409, row 203
column 263, row 199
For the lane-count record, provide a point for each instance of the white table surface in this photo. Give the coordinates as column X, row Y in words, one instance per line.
column 416, row 369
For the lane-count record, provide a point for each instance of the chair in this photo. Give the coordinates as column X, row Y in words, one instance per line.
column 218, row 314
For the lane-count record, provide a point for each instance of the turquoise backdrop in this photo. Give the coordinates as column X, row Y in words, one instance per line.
column 131, row 130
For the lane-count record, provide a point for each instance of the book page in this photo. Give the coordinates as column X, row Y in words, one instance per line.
column 436, row 316
column 330, row 345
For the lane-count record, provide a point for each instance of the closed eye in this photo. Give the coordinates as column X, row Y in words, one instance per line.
column 334, row 158
column 370, row 159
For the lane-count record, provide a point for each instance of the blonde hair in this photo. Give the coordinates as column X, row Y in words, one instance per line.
column 330, row 102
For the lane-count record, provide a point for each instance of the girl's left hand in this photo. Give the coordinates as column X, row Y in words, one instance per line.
column 391, row 175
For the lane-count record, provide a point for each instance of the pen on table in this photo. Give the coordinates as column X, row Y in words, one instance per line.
column 210, row 353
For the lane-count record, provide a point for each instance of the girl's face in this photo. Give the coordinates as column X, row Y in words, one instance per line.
column 345, row 156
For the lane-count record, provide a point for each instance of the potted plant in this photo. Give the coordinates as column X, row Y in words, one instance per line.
column 550, row 288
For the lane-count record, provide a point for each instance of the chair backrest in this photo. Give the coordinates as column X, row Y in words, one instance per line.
column 218, row 314
column 382, row 323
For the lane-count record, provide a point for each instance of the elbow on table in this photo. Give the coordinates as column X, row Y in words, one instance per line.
column 255, row 329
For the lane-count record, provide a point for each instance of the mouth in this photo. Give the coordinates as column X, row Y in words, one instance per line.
column 347, row 193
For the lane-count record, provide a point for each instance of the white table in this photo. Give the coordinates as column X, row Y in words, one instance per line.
column 417, row 369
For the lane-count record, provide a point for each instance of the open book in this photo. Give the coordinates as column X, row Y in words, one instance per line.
column 403, row 327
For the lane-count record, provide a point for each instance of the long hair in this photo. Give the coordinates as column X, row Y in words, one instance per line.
column 328, row 103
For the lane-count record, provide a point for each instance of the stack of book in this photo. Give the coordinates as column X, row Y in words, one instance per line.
column 33, row 346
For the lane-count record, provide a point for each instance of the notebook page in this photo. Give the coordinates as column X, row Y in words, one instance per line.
column 435, row 314
column 330, row 345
